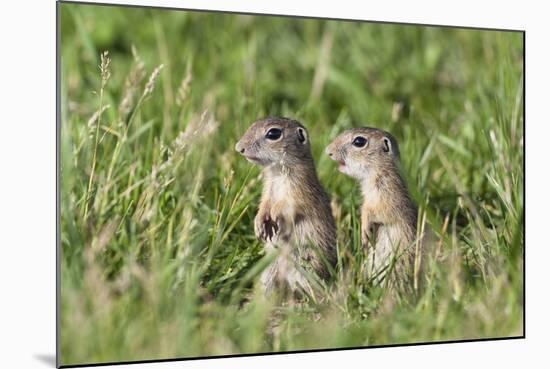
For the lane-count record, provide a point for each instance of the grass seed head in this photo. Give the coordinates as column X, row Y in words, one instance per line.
column 185, row 87
column 150, row 86
column 105, row 68
column 94, row 118
column 131, row 85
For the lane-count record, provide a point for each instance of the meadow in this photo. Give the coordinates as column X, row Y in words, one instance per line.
column 158, row 253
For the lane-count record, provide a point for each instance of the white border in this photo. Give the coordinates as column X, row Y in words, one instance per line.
column 27, row 202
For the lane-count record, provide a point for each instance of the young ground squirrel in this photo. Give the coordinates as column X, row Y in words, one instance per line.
column 294, row 215
column 388, row 215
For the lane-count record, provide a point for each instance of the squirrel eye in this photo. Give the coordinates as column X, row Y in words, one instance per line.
column 274, row 134
column 359, row 141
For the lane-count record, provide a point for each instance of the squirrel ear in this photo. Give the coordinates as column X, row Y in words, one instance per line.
column 302, row 135
column 386, row 145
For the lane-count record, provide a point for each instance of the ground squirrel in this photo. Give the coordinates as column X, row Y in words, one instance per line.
column 294, row 215
column 388, row 214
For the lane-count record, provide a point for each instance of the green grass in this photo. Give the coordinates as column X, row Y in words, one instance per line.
column 158, row 248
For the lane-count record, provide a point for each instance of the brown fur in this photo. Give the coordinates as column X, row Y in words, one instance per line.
column 388, row 214
column 294, row 216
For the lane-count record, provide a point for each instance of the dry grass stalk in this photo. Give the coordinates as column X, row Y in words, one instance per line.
column 105, row 75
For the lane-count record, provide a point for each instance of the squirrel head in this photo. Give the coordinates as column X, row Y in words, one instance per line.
column 364, row 151
column 275, row 140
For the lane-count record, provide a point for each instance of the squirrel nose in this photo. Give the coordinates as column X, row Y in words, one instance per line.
column 239, row 148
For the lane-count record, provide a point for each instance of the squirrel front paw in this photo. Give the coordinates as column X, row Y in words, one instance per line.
column 370, row 233
column 266, row 228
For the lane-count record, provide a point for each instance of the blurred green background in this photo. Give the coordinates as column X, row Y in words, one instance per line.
column 159, row 257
